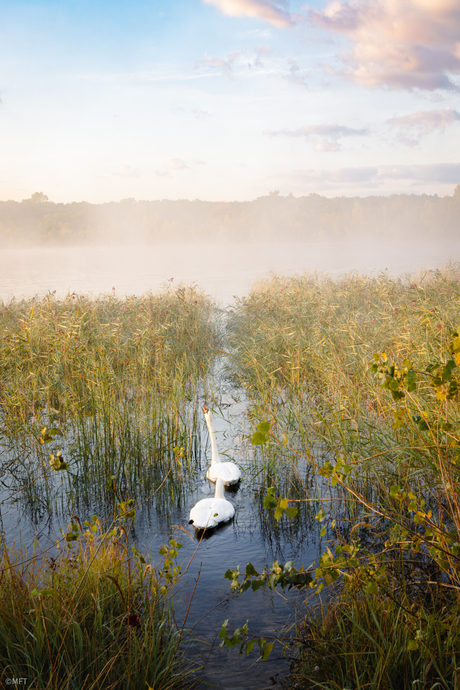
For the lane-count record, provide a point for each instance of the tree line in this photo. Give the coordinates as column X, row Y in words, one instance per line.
column 38, row 221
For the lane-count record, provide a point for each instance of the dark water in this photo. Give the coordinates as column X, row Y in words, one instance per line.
column 251, row 536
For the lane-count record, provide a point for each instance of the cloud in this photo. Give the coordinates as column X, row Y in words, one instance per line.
column 274, row 13
column 201, row 113
column 412, row 128
column 175, row 164
column 125, row 171
column 376, row 176
column 404, row 44
column 295, row 75
column 324, row 137
column 225, row 65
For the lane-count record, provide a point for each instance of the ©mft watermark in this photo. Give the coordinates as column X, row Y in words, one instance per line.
column 16, row 681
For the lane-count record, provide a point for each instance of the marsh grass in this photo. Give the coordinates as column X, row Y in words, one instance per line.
column 93, row 617
column 99, row 401
column 117, row 379
column 385, row 461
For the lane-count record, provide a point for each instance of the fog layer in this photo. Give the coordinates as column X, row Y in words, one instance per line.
column 37, row 221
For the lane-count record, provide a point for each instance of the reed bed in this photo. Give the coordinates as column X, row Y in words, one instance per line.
column 92, row 617
column 358, row 378
column 114, row 381
column 99, row 405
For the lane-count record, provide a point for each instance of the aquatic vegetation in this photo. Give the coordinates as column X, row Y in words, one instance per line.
column 118, row 381
column 91, row 617
column 359, row 378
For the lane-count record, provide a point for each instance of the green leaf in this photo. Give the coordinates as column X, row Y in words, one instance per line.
column 269, row 502
column 256, row 584
column 291, row 512
column 264, row 428
column 320, row 515
column 323, row 532
column 278, row 512
column 412, row 645
column 223, row 632
column 266, row 650
column 250, row 570
column 258, row 439
column 371, row 588
column 249, row 646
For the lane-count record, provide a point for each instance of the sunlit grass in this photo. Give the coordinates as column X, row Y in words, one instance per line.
column 302, row 348
column 119, row 379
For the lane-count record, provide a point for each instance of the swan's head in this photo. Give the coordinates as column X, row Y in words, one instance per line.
column 205, row 409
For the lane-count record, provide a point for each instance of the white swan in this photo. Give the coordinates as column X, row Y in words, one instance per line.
column 209, row 512
column 227, row 471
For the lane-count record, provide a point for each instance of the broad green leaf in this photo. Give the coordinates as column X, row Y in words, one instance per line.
column 320, row 515
column 266, row 650
column 264, row 428
column 258, row 438
column 278, row 512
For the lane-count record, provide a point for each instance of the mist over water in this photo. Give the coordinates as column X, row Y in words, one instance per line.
column 221, row 270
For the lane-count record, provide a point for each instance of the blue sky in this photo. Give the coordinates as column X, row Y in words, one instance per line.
column 228, row 99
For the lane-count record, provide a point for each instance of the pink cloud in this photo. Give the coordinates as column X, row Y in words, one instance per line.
column 412, row 128
column 272, row 12
column 225, row 65
column 325, row 138
column 404, row 44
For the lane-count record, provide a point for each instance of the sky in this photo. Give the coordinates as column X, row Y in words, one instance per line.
column 227, row 100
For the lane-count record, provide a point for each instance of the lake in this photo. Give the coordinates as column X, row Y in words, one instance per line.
column 222, row 271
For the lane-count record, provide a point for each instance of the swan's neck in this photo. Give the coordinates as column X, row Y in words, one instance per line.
column 219, row 489
column 215, row 452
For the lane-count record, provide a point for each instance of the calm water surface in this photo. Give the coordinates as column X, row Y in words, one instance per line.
column 221, row 270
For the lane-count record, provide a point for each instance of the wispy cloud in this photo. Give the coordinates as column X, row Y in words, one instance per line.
column 377, row 176
column 405, row 44
column 224, row 65
column 295, row 73
column 124, row 170
column 175, row 164
column 274, row 13
column 410, row 129
column 324, row 137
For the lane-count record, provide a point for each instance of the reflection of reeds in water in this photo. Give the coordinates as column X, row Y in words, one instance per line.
column 119, row 379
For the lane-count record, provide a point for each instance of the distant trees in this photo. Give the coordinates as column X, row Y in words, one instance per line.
column 269, row 218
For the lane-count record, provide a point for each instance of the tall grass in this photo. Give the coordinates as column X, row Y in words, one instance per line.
column 99, row 401
column 119, row 379
column 383, row 445
column 94, row 617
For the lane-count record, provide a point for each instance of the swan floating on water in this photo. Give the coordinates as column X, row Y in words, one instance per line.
column 209, row 512
column 227, row 471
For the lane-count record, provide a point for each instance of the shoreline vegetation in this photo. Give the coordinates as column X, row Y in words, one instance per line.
column 359, row 378
column 352, row 389
column 38, row 221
